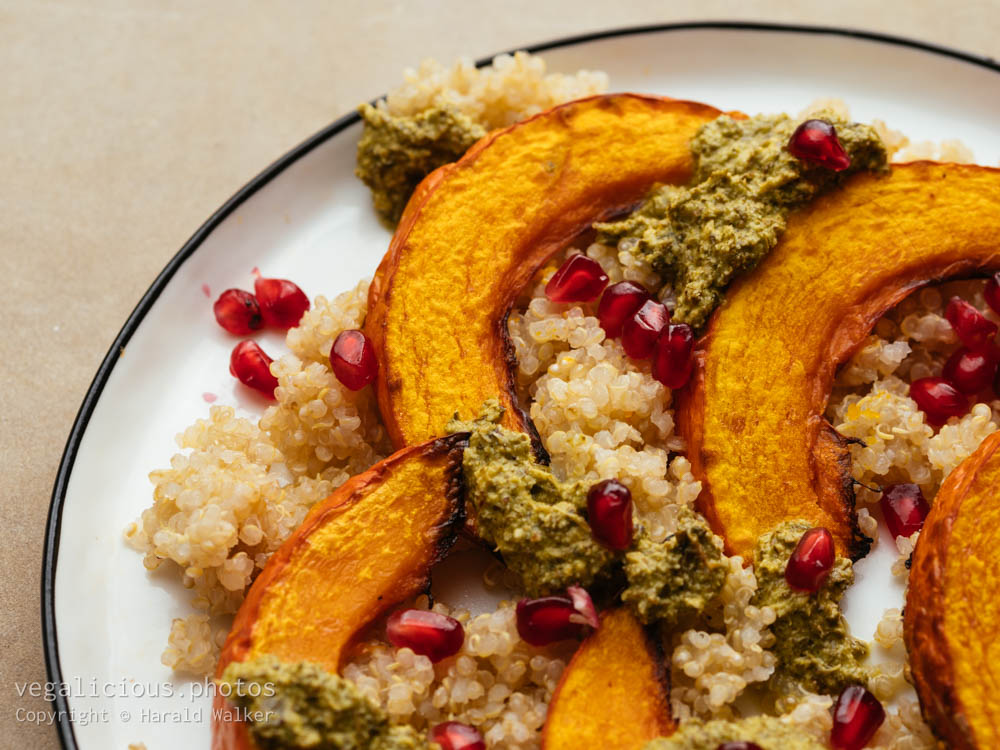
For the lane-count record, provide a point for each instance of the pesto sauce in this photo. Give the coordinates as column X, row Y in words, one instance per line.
column 675, row 580
column 813, row 645
column 539, row 525
column 300, row 705
column 699, row 237
column 396, row 153
column 532, row 518
column 769, row 732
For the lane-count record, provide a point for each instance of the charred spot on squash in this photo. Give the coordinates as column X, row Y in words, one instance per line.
column 768, row 358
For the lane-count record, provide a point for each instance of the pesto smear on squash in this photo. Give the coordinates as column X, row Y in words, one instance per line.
column 293, row 706
column 538, row 524
column 699, row 236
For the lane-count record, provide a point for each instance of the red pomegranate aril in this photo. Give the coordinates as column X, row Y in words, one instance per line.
column 424, row 632
column 620, row 301
column 939, row 399
column 971, row 370
column 282, row 303
column 548, row 619
column 904, row 509
column 992, row 292
column 609, row 512
column 643, row 328
column 586, row 612
column 739, row 745
column 672, row 360
column 816, row 141
column 972, row 327
column 857, row 715
column 252, row 367
column 811, row 561
column 238, row 312
column 454, row 735
column 579, row 279
column 353, row 360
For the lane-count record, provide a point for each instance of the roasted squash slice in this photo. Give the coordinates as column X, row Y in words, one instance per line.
column 753, row 415
column 368, row 546
column 475, row 232
column 614, row 693
column 952, row 619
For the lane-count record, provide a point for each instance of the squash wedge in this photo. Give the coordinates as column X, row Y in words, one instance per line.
column 753, row 415
column 614, row 693
column 951, row 624
column 368, row 546
column 476, row 231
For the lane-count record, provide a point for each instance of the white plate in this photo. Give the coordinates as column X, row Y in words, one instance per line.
column 308, row 218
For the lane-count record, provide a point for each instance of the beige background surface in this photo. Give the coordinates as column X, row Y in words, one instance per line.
column 126, row 123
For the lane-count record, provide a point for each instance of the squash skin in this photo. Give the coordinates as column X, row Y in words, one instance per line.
column 951, row 622
column 614, row 693
column 755, row 430
column 475, row 232
column 385, row 528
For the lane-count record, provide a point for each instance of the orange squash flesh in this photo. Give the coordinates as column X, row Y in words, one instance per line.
column 951, row 623
column 614, row 693
column 475, row 232
column 753, row 415
column 368, row 546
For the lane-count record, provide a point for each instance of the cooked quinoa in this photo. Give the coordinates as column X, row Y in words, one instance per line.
column 497, row 682
column 511, row 88
column 871, row 400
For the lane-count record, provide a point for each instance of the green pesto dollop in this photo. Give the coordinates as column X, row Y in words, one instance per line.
column 769, row 732
column 539, row 525
column 533, row 519
column 396, row 153
column 675, row 579
column 299, row 705
column 699, row 236
column 812, row 643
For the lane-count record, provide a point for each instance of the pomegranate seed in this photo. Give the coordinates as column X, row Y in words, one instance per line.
column 972, row 327
column 430, row 634
column 992, row 292
column 672, row 360
column 454, row 735
column 619, row 302
column 238, row 312
column 353, row 360
column 856, row 717
column 586, row 612
column 643, row 328
column 739, row 745
column 609, row 511
column 938, row 399
column 904, row 509
column 252, row 367
column 816, row 141
column 555, row 618
column 811, row 561
column 282, row 303
column 579, row 279
column 971, row 370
